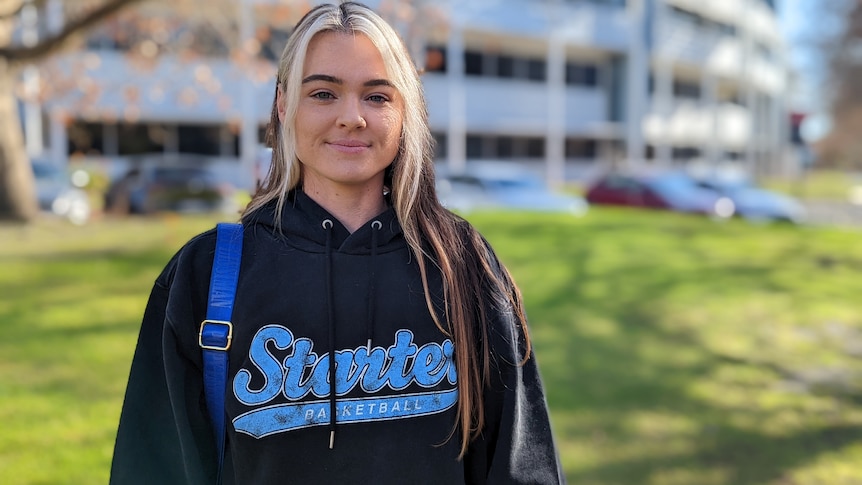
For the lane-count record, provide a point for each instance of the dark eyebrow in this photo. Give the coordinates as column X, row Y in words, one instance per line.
column 322, row 77
column 378, row 82
column 334, row 80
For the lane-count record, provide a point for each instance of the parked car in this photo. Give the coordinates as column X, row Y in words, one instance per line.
column 755, row 203
column 56, row 193
column 502, row 186
column 666, row 190
column 175, row 187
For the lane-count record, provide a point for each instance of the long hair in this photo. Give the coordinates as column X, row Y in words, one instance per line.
column 473, row 281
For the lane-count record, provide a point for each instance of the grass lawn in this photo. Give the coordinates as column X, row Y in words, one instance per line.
column 819, row 185
column 674, row 350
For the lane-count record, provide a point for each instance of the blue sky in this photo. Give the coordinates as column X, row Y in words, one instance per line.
column 791, row 15
column 795, row 17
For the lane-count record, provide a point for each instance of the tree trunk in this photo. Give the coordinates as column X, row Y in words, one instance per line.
column 17, row 191
column 17, row 187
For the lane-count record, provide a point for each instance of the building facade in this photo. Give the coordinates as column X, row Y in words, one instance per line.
column 566, row 86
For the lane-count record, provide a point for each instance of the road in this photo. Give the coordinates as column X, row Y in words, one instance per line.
column 834, row 213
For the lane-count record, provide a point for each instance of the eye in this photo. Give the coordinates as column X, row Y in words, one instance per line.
column 378, row 98
column 322, row 95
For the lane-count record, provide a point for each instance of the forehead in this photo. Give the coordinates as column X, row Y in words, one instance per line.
column 345, row 52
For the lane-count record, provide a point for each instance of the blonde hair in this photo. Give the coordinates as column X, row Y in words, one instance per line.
column 473, row 281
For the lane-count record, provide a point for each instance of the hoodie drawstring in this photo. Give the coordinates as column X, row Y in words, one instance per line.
column 369, row 319
column 330, row 299
column 327, row 225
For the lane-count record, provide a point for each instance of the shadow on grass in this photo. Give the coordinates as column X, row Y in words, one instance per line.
column 742, row 457
column 59, row 299
column 607, row 350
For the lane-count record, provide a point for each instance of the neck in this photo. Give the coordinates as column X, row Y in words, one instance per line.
column 352, row 208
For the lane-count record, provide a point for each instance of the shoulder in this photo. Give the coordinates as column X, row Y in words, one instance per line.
column 195, row 254
column 471, row 239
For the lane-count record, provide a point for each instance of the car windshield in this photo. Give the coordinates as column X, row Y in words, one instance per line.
column 521, row 183
column 730, row 185
column 672, row 186
column 43, row 171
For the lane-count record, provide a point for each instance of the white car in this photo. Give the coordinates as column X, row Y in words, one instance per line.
column 56, row 194
column 502, row 186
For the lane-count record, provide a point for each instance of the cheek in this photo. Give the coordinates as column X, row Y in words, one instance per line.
column 304, row 118
column 393, row 123
column 309, row 128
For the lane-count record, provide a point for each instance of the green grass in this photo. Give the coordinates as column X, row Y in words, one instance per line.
column 674, row 350
column 822, row 185
column 72, row 299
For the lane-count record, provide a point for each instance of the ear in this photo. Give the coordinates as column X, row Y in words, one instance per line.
column 279, row 103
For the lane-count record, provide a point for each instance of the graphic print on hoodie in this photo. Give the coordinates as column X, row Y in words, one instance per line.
column 288, row 369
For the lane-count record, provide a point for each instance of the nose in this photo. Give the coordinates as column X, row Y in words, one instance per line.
column 351, row 116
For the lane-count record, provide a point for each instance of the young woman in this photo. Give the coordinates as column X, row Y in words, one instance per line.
column 346, row 252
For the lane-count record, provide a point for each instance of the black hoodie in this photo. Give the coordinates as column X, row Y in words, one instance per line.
column 395, row 387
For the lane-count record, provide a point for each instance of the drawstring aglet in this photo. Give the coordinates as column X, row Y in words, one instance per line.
column 332, row 439
column 369, row 346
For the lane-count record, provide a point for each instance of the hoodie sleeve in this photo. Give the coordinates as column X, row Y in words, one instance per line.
column 163, row 434
column 516, row 445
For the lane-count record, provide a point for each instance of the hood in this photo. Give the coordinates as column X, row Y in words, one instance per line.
column 302, row 226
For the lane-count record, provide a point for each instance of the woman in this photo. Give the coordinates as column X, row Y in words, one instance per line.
column 347, row 252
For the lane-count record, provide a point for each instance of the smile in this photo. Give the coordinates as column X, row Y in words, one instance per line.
column 349, row 146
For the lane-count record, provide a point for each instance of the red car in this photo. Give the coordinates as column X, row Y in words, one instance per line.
column 668, row 190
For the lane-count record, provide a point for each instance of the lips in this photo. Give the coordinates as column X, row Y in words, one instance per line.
column 349, row 146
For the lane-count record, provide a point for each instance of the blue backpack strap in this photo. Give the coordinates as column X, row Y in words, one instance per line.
column 217, row 330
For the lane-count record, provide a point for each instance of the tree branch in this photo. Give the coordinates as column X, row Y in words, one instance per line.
column 50, row 45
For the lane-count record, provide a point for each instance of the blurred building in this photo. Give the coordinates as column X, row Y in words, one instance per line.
column 562, row 85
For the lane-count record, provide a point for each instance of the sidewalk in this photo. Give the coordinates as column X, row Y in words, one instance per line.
column 833, row 213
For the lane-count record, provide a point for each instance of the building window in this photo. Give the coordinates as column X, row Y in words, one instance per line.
column 475, row 147
column 685, row 153
column 684, row 89
column 435, row 59
column 441, row 148
column 473, row 63
column 85, row 138
column 205, row 140
column 537, row 69
column 535, row 147
column 579, row 74
column 505, row 147
column 505, row 66
column 580, row 148
column 136, row 139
